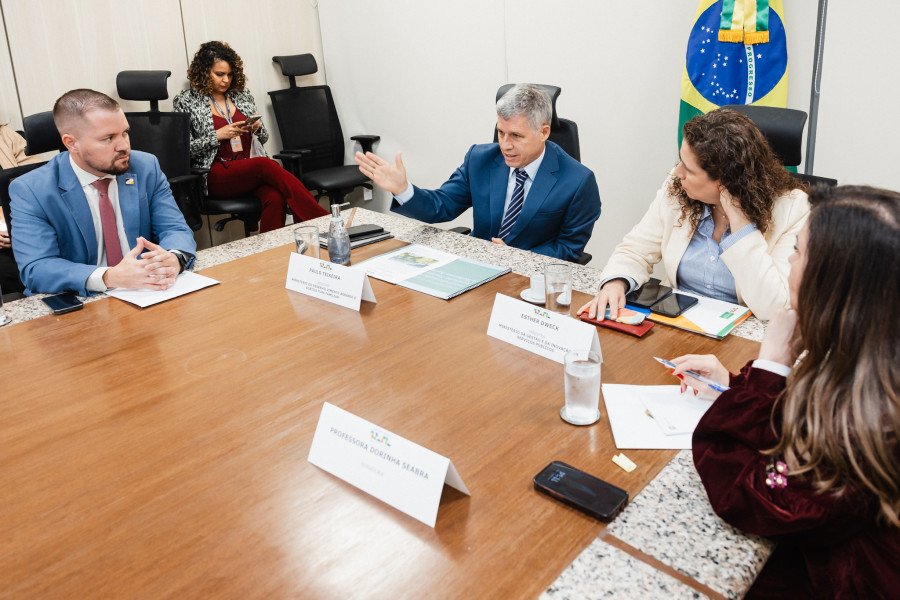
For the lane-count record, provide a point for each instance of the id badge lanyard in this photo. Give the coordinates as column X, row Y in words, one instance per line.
column 236, row 145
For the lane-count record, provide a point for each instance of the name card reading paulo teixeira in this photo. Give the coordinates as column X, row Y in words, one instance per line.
column 381, row 463
column 540, row 331
column 344, row 286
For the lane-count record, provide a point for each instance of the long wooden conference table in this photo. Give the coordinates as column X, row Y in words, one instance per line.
column 162, row 452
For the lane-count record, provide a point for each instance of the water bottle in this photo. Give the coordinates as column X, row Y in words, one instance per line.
column 338, row 238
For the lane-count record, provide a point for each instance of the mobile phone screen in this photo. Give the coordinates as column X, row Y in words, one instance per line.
column 63, row 303
column 581, row 490
column 673, row 305
column 648, row 294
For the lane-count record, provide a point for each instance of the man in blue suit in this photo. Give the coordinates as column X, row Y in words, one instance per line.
column 525, row 191
column 97, row 216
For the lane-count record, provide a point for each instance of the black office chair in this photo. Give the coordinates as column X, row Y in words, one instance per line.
column 311, row 134
column 40, row 136
column 563, row 132
column 783, row 128
column 166, row 135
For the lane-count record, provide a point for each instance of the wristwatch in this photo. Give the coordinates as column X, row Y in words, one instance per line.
column 182, row 260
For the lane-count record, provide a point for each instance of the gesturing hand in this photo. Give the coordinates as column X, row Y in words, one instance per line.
column 391, row 177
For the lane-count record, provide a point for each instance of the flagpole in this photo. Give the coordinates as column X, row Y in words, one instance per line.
column 815, row 88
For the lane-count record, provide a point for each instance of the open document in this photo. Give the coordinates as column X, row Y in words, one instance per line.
column 657, row 417
column 712, row 318
column 185, row 283
column 431, row 271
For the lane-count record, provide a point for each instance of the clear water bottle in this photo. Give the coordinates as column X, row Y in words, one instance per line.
column 338, row 238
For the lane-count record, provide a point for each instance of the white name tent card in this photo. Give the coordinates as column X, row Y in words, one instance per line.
column 393, row 469
column 540, row 331
column 344, row 286
column 185, row 283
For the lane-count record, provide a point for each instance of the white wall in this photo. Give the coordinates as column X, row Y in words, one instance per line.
column 58, row 45
column 423, row 76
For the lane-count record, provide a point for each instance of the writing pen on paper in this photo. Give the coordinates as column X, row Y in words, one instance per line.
column 712, row 384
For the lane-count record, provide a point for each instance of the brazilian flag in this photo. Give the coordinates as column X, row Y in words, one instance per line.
column 736, row 54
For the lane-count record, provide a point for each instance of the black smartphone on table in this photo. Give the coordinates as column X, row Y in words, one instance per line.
column 581, row 490
column 63, row 303
column 648, row 294
column 673, row 304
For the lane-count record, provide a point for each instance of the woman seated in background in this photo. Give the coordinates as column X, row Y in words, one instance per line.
column 723, row 223
column 804, row 446
column 221, row 140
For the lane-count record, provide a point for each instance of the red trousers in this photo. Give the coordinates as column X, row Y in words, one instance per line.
column 276, row 188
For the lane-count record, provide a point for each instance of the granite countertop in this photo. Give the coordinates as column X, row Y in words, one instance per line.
column 670, row 523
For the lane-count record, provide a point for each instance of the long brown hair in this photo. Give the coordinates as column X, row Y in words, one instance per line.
column 202, row 64
column 732, row 150
column 840, row 408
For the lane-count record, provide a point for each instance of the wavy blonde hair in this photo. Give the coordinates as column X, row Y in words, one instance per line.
column 840, row 408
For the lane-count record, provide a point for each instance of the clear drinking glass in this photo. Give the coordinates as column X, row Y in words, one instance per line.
column 306, row 239
column 582, row 375
column 558, row 287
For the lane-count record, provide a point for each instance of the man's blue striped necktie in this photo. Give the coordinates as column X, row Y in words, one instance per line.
column 515, row 204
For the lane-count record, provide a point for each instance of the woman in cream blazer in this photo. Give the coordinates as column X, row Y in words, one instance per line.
column 729, row 177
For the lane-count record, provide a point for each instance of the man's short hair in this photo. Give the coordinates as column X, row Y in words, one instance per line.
column 529, row 100
column 71, row 107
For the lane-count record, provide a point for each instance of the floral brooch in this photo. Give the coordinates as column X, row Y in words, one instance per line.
column 777, row 475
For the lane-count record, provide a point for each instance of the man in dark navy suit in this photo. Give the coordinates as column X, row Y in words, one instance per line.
column 525, row 191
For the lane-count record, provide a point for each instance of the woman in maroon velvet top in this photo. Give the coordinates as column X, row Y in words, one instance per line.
column 804, row 447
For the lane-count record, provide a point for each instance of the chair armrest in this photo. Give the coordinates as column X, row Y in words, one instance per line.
column 366, row 141
column 292, row 160
column 199, row 171
column 183, row 179
column 300, row 151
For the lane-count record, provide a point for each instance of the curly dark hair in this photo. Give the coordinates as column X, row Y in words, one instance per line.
column 733, row 151
column 202, row 64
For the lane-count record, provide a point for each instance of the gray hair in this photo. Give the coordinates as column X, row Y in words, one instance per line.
column 72, row 106
column 529, row 100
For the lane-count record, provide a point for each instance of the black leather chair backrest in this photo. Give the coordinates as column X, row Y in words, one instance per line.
column 306, row 116
column 562, row 131
column 41, row 134
column 782, row 127
column 6, row 177
column 166, row 135
column 149, row 86
column 297, row 65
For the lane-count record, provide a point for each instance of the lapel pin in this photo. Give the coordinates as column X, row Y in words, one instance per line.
column 129, row 181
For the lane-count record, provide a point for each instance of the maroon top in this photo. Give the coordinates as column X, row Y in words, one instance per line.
column 828, row 546
column 225, row 153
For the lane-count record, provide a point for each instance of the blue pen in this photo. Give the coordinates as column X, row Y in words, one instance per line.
column 712, row 384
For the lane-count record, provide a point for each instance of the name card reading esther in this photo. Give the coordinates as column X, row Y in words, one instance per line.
column 381, row 463
column 540, row 331
column 344, row 286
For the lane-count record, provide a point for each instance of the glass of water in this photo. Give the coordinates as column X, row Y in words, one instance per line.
column 558, row 287
column 306, row 239
column 582, row 375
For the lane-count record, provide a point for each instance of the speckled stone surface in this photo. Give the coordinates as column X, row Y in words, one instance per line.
column 671, row 518
column 603, row 571
column 672, row 521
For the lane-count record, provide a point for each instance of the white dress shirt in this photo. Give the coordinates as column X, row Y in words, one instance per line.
column 95, row 281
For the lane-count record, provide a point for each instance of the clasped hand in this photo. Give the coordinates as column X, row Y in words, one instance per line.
column 155, row 269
